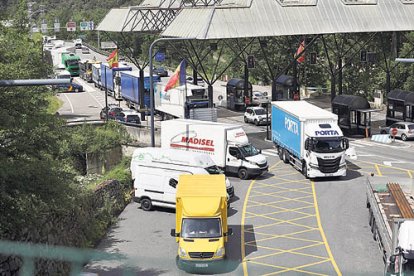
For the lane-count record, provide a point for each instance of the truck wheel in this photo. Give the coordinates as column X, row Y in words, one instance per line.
column 242, row 174
column 404, row 137
column 285, row 156
column 245, row 120
column 305, row 170
column 76, row 90
column 146, row 204
column 256, row 122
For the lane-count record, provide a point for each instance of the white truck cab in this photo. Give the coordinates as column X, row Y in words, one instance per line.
column 324, row 150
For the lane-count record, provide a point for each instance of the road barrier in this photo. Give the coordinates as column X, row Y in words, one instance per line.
column 382, row 138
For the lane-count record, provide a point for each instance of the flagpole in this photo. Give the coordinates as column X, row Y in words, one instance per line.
column 152, row 84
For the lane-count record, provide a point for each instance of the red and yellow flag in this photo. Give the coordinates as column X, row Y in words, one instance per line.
column 178, row 78
column 113, row 59
column 299, row 51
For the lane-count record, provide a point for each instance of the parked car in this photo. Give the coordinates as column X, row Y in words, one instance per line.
column 113, row 112
column 160, row 72
column 405, row 130
column 200, row 80
column 70, row 87
column 129, row 117
column 259, row 98
column 85, row 50
column 256, row 115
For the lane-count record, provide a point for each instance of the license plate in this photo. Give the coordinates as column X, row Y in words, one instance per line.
column 329, row 174
column 201, row 265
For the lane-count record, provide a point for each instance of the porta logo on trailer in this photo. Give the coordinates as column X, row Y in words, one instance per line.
column 330, row 132
column 190, row 141
column 292, row 126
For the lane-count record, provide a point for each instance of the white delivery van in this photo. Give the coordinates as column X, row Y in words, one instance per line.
column 228, row 145
column 155, row 173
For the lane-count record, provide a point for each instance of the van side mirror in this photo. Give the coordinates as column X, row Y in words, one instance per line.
column 173, row 234
column 229, row 232
column 173, row 183
column 392, row 259
column 345, row 143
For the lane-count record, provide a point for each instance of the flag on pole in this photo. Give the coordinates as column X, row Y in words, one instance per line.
column 113, row 59
column 178, row 78
column 299, row 51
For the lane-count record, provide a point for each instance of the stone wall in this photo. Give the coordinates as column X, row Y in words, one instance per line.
column 81, row 226
column 98, row 163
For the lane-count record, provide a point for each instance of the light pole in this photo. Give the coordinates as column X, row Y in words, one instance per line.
column 152, row 84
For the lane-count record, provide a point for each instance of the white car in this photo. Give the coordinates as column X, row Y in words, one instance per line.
column 259, row 98
column 256, row 115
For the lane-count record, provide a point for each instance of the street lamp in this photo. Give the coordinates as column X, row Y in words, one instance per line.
column 152, row 84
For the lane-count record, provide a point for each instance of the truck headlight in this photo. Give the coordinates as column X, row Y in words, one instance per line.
column 220, row 252
column 181, row 252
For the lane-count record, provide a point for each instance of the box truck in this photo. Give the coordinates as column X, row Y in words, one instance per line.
column 110, row 77
column 185, row 102
column 391, row 219
column 309, row 138
column 129, row 89
column 155, row 173
column 201, row 229
column 228, row 145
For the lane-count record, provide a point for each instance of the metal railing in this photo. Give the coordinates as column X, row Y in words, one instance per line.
column 30, row 253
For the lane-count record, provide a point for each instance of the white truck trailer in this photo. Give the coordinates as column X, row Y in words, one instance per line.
column 228, row 145
column 185, row 102
column 391, row 219
column 309, row 138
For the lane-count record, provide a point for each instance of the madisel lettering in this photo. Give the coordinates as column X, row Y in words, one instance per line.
column 326, row 132
column 197, row 141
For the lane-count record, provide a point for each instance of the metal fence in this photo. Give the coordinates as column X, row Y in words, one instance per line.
column 77, row 258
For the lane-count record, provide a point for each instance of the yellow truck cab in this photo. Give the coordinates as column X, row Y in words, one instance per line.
column 201, row 221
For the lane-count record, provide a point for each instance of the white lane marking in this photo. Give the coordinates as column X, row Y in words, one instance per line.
column 389, row 163
column 70, row 103
column 93, row 96
column 270, row 152
column 367, row 155
column 357, row 145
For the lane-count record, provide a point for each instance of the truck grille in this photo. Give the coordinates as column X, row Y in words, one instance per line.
column 329, row 165
column 201, row 255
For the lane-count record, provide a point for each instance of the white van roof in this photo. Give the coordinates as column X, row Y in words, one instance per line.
column 171, row 156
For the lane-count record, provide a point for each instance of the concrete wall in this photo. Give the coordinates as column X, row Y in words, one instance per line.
column 142, row 136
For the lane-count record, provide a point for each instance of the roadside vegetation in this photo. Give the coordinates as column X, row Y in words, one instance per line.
column 39, row 156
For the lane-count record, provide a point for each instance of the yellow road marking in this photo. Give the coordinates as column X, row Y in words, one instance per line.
column 282, row 267
column 318, row 218
column 378, row 169
column 286, row 199
column 409, row 174
column 243, row 252
column 288, row 251
column 298, row 267
column 288, row 221
column 281, row 236
column 284, row 210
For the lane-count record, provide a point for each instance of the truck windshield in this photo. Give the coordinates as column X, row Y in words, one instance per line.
column 214, row 170
column 201, row 228
column 323, row 145
column 248, row 150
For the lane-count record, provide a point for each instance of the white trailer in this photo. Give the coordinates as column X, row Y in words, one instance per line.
column 227, row 145
column 186, row 101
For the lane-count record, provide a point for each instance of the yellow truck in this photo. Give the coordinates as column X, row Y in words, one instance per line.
column 201, row 222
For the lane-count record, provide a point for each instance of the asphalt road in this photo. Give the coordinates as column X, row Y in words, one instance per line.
column 282, row 223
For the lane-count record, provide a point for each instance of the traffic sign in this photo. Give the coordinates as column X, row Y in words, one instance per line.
column 394, row 131
column 84, row 26
column 56, row 27
column 44, row 28
column 71, row 26
column 159, row 56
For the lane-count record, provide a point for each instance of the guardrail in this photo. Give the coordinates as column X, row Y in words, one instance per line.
column 77, row 258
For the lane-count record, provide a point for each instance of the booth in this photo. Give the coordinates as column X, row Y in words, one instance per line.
column 237, row 99
column 284, row 88
column 400, row 106
column 354, row 114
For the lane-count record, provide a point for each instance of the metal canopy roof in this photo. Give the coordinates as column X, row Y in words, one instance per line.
column 261, row 18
